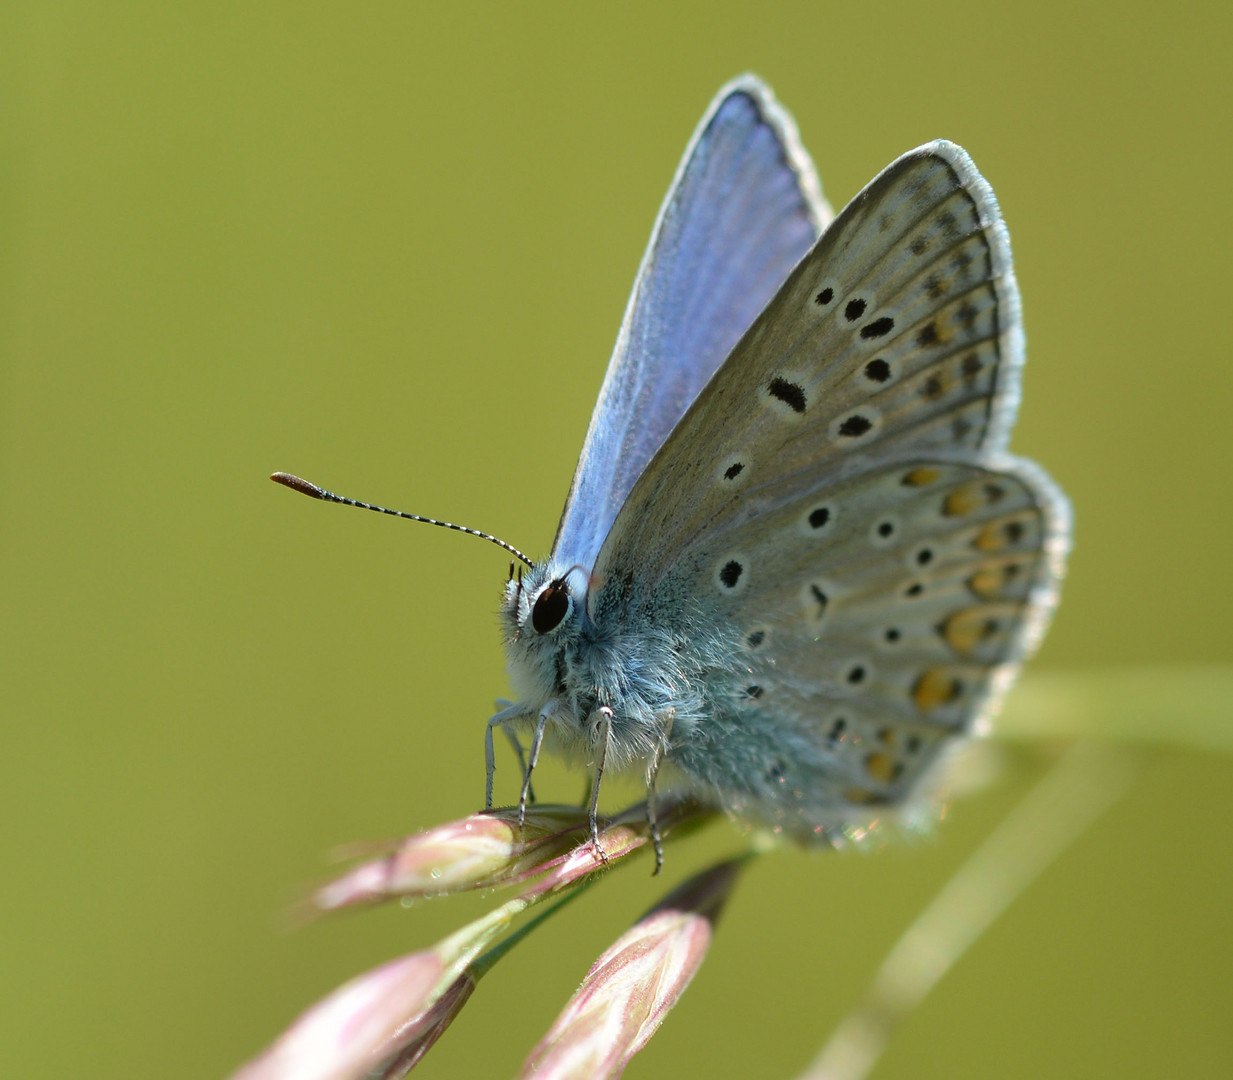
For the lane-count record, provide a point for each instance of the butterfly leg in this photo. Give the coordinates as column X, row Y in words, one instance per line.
column 537, row 741
column 604, row 730
column 505, row 716
column 516, row 743
column 505, row 703
column 652, row 771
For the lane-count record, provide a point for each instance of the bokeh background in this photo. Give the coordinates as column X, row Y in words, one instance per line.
column 388, row 246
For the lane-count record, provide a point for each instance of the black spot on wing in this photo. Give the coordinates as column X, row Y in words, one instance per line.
column 878, row 328
column 855, row 426
column 730, row 574
column 790, row 393
column 820, row 597
column 877, row 371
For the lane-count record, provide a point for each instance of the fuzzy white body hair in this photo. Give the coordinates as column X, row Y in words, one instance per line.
column 661, row 686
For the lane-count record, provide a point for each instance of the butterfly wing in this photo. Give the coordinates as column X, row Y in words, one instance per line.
column 743, row 209
column 879, row 617
column 837, row 496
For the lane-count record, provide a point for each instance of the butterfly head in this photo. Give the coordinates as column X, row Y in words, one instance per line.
column 544, row 616
column 545, row 602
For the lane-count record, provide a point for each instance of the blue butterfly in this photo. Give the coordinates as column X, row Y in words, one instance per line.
column 795, row 564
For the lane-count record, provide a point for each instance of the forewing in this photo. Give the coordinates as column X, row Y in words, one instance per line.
column 897, row 336
column 743, row 209
column 879, row 617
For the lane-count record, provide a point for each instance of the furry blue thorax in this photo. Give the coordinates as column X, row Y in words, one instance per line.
column 661, row 685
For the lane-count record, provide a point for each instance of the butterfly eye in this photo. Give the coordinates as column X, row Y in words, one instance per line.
column 551, row 606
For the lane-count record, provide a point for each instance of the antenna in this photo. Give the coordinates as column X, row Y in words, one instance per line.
column 314, row 492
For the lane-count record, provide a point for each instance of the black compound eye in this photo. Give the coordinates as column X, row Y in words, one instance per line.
column 551, row 606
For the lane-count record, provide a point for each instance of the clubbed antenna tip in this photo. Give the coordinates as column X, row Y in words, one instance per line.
column 296, row 483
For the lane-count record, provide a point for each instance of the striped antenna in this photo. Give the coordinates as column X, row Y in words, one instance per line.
column 314, row 492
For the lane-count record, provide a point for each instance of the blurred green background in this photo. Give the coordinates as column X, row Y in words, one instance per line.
column 388, row 246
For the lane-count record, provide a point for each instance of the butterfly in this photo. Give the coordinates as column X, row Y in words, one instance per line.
column 796, row 564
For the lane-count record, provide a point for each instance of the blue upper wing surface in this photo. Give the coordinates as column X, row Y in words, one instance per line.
column 744, row 208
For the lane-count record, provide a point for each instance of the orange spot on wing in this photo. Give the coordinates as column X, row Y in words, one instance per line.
column 921, row 476
column 883, row 768
column 972, row 496
column 993, row 579
column 963, row 501
column 935, row 687
column 1004, row 533
column 965, row 630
